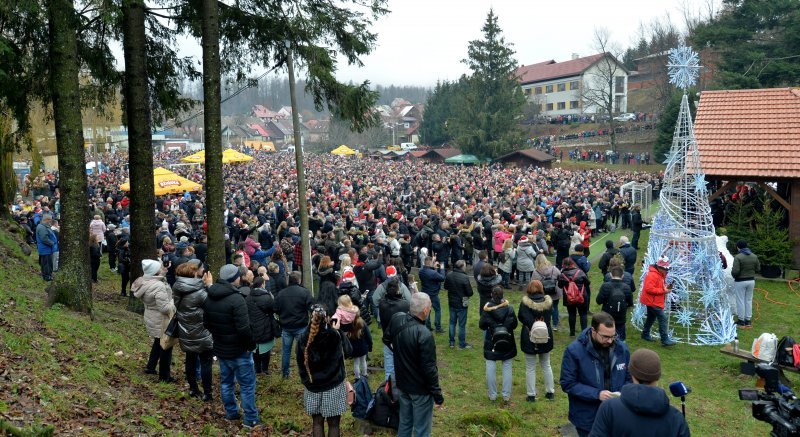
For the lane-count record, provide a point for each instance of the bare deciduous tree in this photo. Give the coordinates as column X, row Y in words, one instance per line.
column 600, row 83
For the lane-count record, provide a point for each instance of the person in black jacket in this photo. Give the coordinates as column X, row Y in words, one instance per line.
column 111, row 247
column 328, row 293
column 392, row 303
column 431, row 276
column 486, row 281
column 605, row 258
column 643, row 408
column 226, row 316
column 320, row 354
column 95, row 254
column 260, row 306
column 615, row 297
column 417, row 374
column 459, row 290
column 536, row 306
column 498, row 313
column 189, row 294
column 571, row 272
column 636, row 225
column 292, row 306
column 628, row 254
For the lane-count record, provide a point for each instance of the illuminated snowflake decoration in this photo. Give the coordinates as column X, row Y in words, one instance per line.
column 683, row 67
column 684, row 317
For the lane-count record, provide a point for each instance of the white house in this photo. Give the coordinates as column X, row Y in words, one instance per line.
column 573, row 87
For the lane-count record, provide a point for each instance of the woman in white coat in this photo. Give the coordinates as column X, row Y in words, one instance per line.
column 153, row 290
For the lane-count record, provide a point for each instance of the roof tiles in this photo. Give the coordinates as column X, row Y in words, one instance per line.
column 553, row 70
column 749, row 133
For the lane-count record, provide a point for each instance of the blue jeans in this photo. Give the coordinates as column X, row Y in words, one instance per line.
column 239, row 369
column 416, row 414
column 458, row 315
column 505, row 275
column 437, row 308
column 388, row 362
column 654, row 313
column 287, row 339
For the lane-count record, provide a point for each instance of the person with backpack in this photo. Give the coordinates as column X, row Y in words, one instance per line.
column 575, row 284
column 615, row 297
column 536, row 338
column 745, row 267
column 320, row 355
column 548, row 274
column 605, row 258
column 487, row 280
column 499, row 321
column 654, row 291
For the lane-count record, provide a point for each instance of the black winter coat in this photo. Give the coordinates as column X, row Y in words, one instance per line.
column 189, row 295
column 328, row 294
column 485, row 285
column 457, row 285
column 326, row 357
column 629, row 254
column 227, row 319
column 389, row 306
column 414, row 356
column 581, row 280
column 540, row 307
column 641, row 410
column 260, row 306
column 495, row 315
column 605, row 293
column 292, row 306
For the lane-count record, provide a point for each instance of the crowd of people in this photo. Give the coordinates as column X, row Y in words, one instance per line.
column 372, row 223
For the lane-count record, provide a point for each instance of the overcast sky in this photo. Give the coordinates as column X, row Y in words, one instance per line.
column 422, row 41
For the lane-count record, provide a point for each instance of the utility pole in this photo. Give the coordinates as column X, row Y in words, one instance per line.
column 308, row 280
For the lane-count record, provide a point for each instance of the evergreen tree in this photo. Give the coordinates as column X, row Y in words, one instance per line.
column 491, row 101
column 756, row 41
column 738, row 223
column 666, row 125
column 439, row 108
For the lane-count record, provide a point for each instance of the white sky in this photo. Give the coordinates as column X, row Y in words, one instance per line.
column 421, row 41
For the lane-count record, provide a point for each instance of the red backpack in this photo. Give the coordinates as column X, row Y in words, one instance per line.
column 573, row 294
column 796, row 355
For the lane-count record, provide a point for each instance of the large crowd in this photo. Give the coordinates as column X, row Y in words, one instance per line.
column 372, row 223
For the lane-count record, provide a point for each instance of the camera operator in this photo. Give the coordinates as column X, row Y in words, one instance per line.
column 643, row 408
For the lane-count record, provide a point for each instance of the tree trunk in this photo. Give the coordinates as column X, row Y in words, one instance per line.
column 209, row 21
column 140, row 156
column 72, row 286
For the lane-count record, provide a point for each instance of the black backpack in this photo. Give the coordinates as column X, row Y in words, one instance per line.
column 384, row 409
column 549, row 285
column 363, row 398
column 616, row 305
column 784, row 356
column 502, row 340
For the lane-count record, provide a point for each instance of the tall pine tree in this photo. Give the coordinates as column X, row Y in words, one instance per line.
column 491, row 104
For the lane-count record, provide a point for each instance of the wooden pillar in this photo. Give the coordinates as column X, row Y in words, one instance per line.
column 794, row 220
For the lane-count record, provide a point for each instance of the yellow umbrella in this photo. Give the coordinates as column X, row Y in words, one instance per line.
column 231, row 156
column 197, row 158
column 343, row 150
column 167, row 182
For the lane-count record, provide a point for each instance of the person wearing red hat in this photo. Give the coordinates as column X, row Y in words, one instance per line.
column 654, row 289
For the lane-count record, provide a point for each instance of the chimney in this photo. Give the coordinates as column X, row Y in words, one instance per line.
column 575, row 56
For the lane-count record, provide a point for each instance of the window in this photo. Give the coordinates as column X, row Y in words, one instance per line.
column 538, row 90
column 561, row 87
column 562, row 105
column 527, row 91
column 574, row 104
column 548, row 89
column 574, row 85
column 619, row 86
column 618, row 100
column 549, row 106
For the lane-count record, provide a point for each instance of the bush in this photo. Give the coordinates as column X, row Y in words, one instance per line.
column 769, row 241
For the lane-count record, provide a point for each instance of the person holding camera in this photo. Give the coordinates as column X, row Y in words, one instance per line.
column 654, row 291
column 643, row 408
column 431, row 277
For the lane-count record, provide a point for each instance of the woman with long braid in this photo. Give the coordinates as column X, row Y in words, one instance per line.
column 320, row 358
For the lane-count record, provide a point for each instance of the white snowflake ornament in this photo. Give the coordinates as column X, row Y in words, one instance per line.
column 683, row 67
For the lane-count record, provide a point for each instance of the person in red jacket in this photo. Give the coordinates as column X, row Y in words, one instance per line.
column 654, row 290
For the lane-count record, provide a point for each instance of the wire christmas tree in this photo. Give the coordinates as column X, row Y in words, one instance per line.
column 683, row 231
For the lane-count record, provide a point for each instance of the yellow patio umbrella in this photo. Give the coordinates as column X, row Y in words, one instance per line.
column 167, row 182
column 196, row 158
column 343, row 150
column 231, row 156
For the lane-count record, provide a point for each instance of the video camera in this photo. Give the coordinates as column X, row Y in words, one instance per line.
column 775, row 405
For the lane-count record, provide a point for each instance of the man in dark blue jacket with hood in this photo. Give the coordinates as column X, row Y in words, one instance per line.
column 593, row 370
column 643, row 408
column 431, row 277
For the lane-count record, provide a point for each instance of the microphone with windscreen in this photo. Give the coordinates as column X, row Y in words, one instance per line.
column 680, row 390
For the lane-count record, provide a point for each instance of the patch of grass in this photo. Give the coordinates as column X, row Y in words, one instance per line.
column 491, row 422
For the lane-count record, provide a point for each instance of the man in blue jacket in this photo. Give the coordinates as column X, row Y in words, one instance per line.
column 643, row 408
column 46, row 244
column 431, row 277
column 593, row 370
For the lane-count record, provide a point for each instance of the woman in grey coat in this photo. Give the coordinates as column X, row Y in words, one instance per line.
column 195, row 339
column 526, row 253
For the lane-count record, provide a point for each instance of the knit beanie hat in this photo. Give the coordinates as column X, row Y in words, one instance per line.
column 151, row 267
column 645, row 366
column 229, row 273
column 349, row 276
column 391, row 272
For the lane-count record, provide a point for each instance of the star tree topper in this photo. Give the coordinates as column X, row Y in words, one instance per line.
column 683, row 67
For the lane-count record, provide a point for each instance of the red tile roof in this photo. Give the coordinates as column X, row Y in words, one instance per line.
column 553, row 70
column 749, row 133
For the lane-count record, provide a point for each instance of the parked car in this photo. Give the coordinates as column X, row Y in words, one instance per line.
column 408, row 146
column 394, row 147
column 626, row 116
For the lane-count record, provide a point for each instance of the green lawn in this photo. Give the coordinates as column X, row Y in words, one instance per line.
column 84, row 376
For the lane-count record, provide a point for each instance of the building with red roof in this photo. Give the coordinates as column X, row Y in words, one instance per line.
column 559, row 87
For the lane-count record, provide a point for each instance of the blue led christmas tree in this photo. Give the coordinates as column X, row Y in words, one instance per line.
column 683, row 231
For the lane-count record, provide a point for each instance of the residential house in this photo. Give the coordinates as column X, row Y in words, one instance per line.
column 264, row 113
column 317, row 130
column 560, row 88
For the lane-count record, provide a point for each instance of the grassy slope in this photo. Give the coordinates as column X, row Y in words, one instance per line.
column 63, row 369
